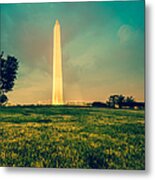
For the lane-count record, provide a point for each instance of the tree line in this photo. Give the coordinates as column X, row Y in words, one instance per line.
column 120, row 101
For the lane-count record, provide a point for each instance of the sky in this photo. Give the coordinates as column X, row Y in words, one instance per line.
column 102, row 49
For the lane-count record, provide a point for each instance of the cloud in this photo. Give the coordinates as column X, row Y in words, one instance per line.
column 125, row 33
column 102, row 45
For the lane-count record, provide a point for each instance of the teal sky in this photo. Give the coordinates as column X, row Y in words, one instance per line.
column 102, row 43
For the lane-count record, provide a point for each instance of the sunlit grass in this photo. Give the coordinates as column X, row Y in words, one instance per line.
column 72, row 137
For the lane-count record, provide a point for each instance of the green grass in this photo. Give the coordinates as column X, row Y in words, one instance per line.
column 71, row 137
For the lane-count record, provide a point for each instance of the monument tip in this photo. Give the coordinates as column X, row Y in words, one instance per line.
column 57, row 21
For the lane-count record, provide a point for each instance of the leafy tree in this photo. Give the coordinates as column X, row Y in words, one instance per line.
column 114, row 100
column 8, row 74
column 130, row 101
column 120, row 100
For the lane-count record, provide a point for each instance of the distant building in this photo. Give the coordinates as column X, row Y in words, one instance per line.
column 78, row 103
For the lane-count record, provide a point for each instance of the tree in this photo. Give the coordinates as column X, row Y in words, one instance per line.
column 120, row 100
column 130, row 101
column 114, row 100
column 8, row 74
column 3, row 99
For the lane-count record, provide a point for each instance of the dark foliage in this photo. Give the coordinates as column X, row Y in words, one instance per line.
column 8, row 74
column 121, row 101
column 99, row 104
column 116, row 100
column 3, row 99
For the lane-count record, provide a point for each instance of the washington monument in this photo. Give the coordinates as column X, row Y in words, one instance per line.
column 57, row 96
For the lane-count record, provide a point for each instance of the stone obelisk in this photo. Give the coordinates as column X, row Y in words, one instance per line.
column 57, row 96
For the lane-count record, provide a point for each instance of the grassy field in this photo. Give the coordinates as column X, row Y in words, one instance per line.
column 70, row 137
